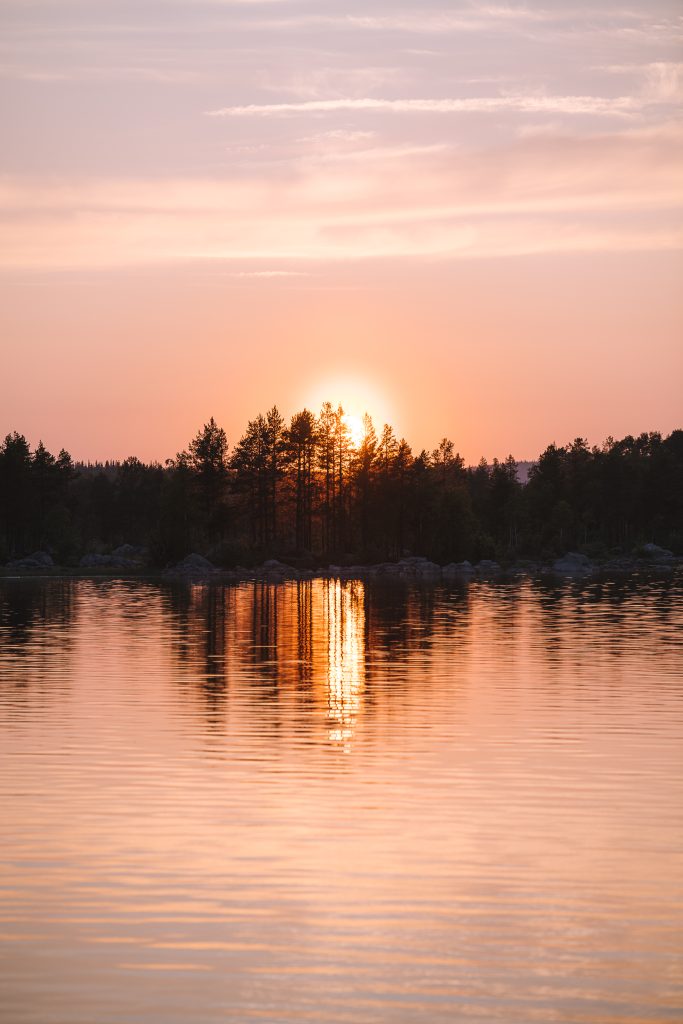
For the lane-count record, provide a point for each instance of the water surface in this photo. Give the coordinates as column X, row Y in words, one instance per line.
column 337, row 802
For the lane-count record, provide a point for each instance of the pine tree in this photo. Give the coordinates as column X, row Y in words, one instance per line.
column 363, row 466
column 325, row 430
column 301, row 442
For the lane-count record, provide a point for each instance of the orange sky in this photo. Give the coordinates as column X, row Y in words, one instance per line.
column 465, row 219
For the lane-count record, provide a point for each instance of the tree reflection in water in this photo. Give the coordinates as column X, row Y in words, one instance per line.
column 311, row 649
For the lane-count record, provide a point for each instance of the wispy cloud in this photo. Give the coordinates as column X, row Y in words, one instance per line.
column 660, row 81
column 269, row 273
column 618, row 106
column 548, row 193
column 467, row 19
column 326, row 144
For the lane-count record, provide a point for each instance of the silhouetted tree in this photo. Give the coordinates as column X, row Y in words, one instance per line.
column 250, row 465
column 15, row 492
column 301, row 442
column 276, row 445
column 363, row 466
column 326, row 459
column 308, row 488
column 342, row 456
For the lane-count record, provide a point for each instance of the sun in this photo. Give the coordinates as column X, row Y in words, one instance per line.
column 355, row 427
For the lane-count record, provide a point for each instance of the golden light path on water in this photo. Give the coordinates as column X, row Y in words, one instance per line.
column 345, row 621
column 334, row 801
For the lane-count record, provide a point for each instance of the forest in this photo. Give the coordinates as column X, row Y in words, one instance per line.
column 305, row 493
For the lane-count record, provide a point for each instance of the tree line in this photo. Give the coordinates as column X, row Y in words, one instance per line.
column 304, row 491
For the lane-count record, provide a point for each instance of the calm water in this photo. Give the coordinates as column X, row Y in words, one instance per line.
column 340, row 802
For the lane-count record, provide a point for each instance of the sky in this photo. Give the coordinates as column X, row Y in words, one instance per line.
column 465, row 219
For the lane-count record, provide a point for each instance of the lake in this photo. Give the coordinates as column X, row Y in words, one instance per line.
column 330, row 802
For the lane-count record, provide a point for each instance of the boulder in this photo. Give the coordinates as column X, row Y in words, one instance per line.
column 487, row 567
column 573, row 564
column 42, row 558
column 427, row 569
column 93, row 561
column 193, row 565
column 417, row 566
column 106, row 562
column 272, row 564
column 38, row 560
column 656, row 554
column 129, row 551
column 621, row 564
column 388, row 569
column 458, row 569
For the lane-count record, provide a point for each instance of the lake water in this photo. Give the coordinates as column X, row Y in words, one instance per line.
column 336, row 802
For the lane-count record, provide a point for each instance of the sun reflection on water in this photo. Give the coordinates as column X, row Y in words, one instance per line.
column 345, row 622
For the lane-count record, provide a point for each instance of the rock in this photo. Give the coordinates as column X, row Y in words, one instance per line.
column 622, row 565
column 525, row 567
column 94, row 561
column 572, row 564
column 387, row 569
column 486, row 567
column 38, row 560
column 193, row 565
column 106, row 562
column 272, row 563
column 458, row 569
column 656, row 554
column 129, row 551
column 428, row 569
column 417, row 566
column 42, row 558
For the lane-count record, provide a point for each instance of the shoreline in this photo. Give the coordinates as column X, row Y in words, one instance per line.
column 409, row 570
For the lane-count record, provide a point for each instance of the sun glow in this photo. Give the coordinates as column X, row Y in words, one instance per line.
column 355, row 393
column 355, row 428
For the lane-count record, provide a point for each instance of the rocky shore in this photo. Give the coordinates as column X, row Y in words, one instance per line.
column 130, row 561
column 650, row 559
